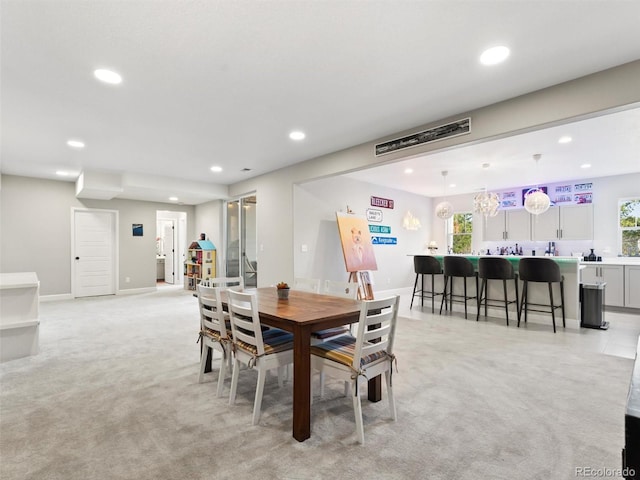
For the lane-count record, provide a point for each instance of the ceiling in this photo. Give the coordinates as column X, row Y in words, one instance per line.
column 224, row 82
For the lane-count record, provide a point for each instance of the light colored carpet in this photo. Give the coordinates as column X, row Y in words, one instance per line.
column 114, row 394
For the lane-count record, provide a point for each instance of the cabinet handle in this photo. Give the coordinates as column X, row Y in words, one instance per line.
column 560, row 233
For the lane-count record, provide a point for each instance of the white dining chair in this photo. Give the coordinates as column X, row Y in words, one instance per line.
column 237, row 283
column 215, row 331
column 340, row 289
column 306, row 284
column 258, row 349
column 363, row 357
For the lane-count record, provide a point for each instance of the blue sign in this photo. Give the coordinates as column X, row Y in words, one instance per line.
column 379, row 229
column 384, row 240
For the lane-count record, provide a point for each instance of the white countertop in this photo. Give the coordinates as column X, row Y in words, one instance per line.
column 615, row 261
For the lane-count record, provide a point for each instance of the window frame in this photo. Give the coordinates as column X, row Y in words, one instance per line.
column 451, row 232
column 622, row 229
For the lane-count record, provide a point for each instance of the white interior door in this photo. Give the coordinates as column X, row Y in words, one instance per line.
column 94, row 253
column 169, row 253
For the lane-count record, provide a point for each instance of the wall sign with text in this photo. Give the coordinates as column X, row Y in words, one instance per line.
column 381, row 202
column 379, row 229
column 374, row 215
column 384, row 240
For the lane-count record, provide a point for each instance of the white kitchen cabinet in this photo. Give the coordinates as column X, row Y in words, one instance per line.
column 508, row 225
column 613, row 275
column 567, row 222
column 632, row 286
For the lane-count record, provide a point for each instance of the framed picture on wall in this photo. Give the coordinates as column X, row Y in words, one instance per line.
column 137, row 229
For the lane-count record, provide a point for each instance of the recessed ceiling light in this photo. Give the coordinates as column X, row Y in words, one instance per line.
column 297, row 135
column 62, row 173
column 216, row 169
column 108, row 76
column 173, row 199
column 408, row 170
column 585, row 165
column 452, row 185
column 494, row 55
column 75, row 143
column 565, row 139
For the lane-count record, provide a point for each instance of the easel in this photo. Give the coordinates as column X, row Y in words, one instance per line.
column 365, row 290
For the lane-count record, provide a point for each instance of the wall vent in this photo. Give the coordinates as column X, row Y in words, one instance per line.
column 453, row 129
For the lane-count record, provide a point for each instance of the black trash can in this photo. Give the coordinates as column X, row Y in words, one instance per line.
column 592, row 306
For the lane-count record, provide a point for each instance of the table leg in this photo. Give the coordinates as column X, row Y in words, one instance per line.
column 301, row 383
column 374, row 389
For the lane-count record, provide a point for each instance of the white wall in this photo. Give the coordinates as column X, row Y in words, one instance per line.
column 36, row 233
column 208, row 220
column 314, row 219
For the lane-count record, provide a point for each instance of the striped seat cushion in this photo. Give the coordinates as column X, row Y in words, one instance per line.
column 342, row 349
column 274, row 339
column 331, row 332
column 213, row 334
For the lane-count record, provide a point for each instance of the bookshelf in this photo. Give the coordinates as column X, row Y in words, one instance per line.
column 200, row 263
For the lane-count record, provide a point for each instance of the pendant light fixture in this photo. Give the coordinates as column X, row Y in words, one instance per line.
column 536, row 201
column 486, row 203
column 444, row 210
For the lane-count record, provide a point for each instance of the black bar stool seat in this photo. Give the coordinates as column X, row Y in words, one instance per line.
column 496, row 268
column 425, row 265
column 459, row 267
column 541, row 270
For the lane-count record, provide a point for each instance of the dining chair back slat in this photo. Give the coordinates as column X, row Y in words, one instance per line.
column 307, row 284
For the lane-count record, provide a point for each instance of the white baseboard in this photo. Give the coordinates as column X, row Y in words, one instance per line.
column 136, row 291
column 55, row 298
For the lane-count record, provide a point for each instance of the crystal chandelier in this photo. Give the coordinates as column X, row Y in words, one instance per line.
column 536, row 201
column 444, row 210
column 486, row 203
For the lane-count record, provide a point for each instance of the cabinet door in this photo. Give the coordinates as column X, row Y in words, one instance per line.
column 614, row 290
column 518, row 224
column 494, row 228
column 589, row 274
column 576, row 222
column 632, row 286
column 546, row 226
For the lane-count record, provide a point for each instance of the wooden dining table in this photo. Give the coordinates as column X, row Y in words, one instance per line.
column 301, row 314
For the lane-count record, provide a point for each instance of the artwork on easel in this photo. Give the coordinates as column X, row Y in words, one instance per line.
column 356, row 243
column 359, row 257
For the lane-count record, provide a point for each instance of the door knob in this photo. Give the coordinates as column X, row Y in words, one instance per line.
column 77, row 258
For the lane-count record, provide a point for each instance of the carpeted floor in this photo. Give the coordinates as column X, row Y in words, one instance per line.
column 114, row 395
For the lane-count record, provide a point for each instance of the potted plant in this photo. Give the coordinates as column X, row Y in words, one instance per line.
column 283, row 290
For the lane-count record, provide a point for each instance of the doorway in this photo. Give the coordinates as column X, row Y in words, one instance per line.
column 170, row 246
column 94, row 252
column 241, row 239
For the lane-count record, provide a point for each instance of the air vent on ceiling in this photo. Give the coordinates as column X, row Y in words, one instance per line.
column 245, row 170
column 453, row 129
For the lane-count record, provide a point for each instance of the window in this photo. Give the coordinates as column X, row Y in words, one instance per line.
column 462, row 229
column 629, row 221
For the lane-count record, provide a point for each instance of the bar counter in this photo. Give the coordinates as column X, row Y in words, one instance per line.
column 538, row 292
